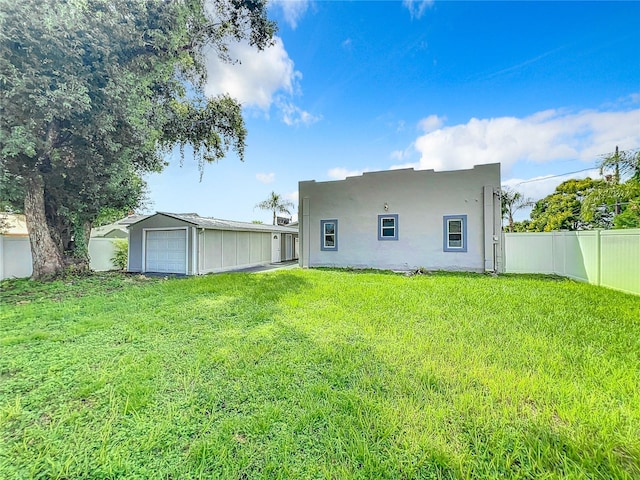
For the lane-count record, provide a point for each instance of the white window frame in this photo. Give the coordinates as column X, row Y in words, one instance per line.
column 446, row 240
column 381, row 228
column 323, row 245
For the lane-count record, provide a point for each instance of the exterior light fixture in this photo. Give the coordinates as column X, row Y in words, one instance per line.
column 386, row 207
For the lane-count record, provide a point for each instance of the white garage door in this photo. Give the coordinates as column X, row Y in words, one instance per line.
column 166, row 251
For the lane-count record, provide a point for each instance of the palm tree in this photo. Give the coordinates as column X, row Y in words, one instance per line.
column 625, row 162
column 614, row 167
column 512, row 201
column 277, row 204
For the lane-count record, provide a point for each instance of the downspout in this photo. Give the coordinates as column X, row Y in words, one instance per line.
column 498, row 237
column 488, row 229
column 304, row 230
column 201, row 251
column 194, row 251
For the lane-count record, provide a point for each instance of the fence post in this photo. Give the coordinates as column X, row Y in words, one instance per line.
column 1, row 257
column 598, row 257
column 553, row 252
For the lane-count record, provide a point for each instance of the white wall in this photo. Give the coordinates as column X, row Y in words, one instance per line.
column 610, row 258
column 15, row 256
column 101, row 251
column 222, row 250
column 420, row 199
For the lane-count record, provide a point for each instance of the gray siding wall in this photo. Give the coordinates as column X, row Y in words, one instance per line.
column 420, row 199
column 157, row 222
column 222, row 250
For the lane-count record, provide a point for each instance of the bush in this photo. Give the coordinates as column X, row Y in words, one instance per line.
column 120, row 257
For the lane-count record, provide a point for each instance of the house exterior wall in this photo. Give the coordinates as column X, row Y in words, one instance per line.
column 221, row 250
column 421, row 200
column 157, row 222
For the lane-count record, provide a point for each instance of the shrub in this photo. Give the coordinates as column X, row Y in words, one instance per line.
column 120, row 256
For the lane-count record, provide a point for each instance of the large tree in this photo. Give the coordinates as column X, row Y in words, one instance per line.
column 276, row 204
column 562, row 209
column 93, row 93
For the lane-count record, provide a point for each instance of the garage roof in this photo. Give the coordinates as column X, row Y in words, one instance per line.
column 218, row 224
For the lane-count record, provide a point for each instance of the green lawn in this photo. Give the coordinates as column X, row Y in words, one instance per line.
column 319, row 374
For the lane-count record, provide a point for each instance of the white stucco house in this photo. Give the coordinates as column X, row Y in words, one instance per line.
column 404, row 220
column 188, row 244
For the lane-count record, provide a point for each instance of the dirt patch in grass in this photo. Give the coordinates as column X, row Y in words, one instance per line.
column 24, row 291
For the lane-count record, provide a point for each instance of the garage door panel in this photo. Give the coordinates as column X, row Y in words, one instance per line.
column 166, row 251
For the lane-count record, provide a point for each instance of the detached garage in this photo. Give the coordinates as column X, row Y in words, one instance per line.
column 188, row 244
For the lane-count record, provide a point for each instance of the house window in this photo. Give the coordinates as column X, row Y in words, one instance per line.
column 388, row 227
column 455, row 233
column 329, row 235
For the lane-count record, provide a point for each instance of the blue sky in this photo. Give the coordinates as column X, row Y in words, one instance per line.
column 544, row 88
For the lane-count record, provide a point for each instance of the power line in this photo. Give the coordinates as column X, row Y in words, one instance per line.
column 554, row 176
column 630, row 151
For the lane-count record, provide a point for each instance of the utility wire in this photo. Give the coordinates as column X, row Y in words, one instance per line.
column 602, row 155
column 554, row 176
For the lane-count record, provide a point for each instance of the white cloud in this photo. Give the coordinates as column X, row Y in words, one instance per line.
column 397, row 155
column 402, row 166
column 292, row 10
column 266, row 177
column 542, row 137
column 403, row 156
column 340, row 173
column 431, row 123
column 256, row 77
column 259, row 79
column 294, row 115
column 293, row 196
column 417, row 7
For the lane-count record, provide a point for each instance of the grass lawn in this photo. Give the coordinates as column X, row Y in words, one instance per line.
column 319, row 374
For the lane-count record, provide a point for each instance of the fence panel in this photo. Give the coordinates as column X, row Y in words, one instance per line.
column 610, row 258
column 557, row 253
column 101, row 251
column 528, row 253
column 620, row 260
column 15, row 256
column 579, row 255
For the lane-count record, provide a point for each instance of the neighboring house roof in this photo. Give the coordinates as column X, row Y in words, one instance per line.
column 218, row 224
column 13, row 224
column 117, row 229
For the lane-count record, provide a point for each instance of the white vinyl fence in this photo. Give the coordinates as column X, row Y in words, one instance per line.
column 610, row 258
column 15, row 256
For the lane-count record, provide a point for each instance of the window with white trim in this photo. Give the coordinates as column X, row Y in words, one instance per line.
column 455, row 233
column 329, row 235
column 388, row 227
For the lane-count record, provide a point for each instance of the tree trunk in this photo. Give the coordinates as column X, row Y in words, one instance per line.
column 46, row 257
column 79, row 257
column 274, row 217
